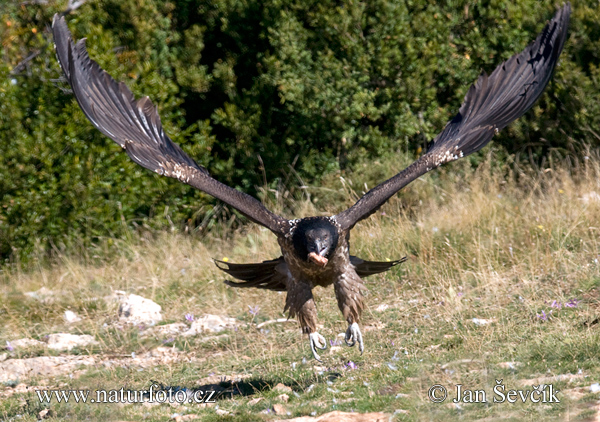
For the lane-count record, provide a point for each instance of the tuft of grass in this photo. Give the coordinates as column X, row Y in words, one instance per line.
column 501, row 283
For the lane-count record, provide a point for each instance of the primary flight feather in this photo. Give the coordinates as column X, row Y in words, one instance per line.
column 315, row 250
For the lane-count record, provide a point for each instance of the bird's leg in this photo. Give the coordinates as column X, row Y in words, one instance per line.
column 350, row 301
column 354, row 335
column 300, row 303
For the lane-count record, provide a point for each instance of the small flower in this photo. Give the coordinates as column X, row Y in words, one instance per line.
column 225, row 259
column 459, row 294
column 253, row 310
column 543, row 316
column 9, row 347
column 189, row 317
column 351, row 365
column 572, row 303
column 169, row 340
column 540, row 227
column 556, row 304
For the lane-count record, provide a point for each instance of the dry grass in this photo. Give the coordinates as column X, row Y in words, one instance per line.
column 481, row 245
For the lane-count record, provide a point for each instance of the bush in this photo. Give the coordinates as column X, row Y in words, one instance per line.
column 314, row 84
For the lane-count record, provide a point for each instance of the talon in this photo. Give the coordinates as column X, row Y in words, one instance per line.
column 354, row 335
column 316, row 340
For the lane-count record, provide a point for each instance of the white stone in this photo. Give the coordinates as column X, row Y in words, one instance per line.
column 136, row 309
column 71, row 317
column 44, row 295
column 66, row 341
column 24, row 343
column 166, row 330
column 481, row 321
column 46, row 366
column 211, row 324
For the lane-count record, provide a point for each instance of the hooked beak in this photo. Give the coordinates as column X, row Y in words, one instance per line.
column 317, row 259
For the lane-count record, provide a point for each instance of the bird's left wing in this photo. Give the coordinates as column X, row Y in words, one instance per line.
column 136, row 127
column 490, row 104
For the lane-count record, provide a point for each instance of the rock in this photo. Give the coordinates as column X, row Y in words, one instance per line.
column 24, row 343
column 167, row 330
column 44, row 295
column 481, row 321
column 45, row 414
column 278, row 409
column 221, row 412
column 3, row 357
column 283, row 388
column 283, row 397
column 338, row 416
column 71, row 317
column 65, row 341
column 595, row 388
column 135, row 309
column 211, row 324
column 45, row 366
column 254, row 401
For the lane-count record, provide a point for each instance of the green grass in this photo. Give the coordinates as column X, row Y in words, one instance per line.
column 480, row 245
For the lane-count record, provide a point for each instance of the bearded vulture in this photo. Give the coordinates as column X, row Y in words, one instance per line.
column 315, row 250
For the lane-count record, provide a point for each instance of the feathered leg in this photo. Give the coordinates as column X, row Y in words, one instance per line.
column 300, row 303
column 350, row 301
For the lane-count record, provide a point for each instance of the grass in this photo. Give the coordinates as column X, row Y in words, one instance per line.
column 501, row 284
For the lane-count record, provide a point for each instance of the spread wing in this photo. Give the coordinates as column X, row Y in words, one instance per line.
column 491, row 103
column 136, row 127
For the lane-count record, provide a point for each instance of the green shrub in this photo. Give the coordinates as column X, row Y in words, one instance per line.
column 314, row 84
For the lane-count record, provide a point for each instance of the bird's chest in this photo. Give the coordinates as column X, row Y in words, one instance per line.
column 305, row 270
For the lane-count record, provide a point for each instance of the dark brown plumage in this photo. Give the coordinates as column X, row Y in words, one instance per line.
column 315, row 250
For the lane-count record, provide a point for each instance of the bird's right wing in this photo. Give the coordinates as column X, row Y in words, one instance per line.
column 136, row 127
column 490, row 104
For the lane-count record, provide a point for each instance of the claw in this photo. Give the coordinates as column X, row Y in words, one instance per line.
column 354, row 335
column 316, row 340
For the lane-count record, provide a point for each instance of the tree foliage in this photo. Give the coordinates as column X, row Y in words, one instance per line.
column 250, row 87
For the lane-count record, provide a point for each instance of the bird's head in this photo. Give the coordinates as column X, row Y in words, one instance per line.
column 315, row 239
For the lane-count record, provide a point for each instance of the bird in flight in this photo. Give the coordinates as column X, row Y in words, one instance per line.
column 315, row 250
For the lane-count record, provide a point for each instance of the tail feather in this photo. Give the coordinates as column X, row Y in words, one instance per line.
column 270, row 275
column 366, row 268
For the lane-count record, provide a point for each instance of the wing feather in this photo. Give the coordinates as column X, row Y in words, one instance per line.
column 136, row 127
column 491, row 103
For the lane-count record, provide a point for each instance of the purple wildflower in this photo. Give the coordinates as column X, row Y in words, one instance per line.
column 555, row 304
column 351, row 365
column 189, row 317
column 9, row 346
column 572, row 303
column 169, row 340
column 253, row 310
column 543, row 316
column 459, row 294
